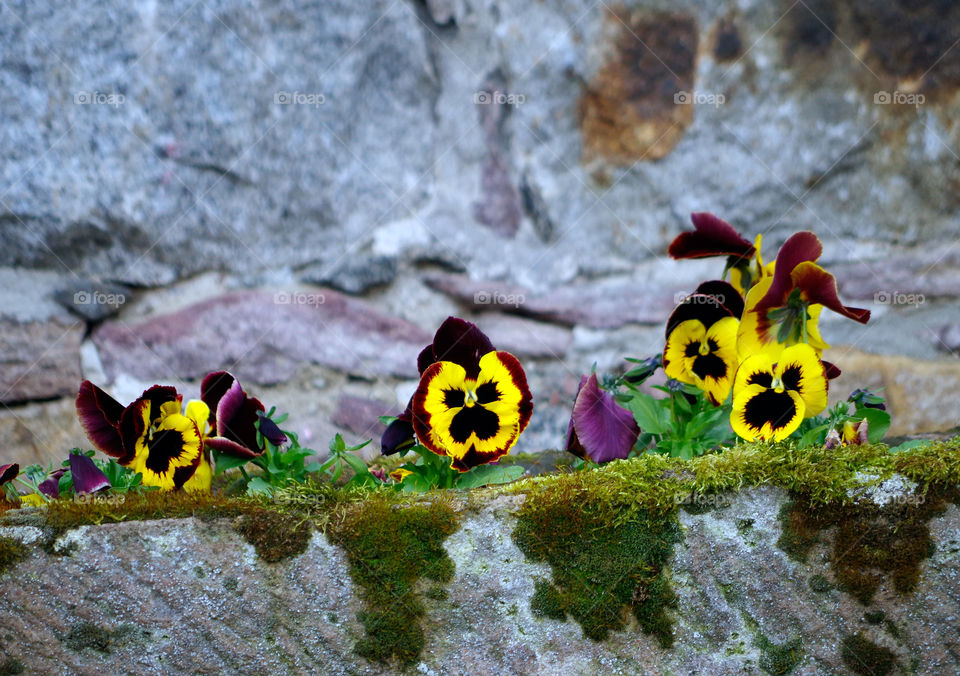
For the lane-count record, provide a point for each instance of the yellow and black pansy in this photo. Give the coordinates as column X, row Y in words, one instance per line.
column 151, row 435
column 783, row 309
column 770, row 399
column 472, row 402
column 701, row 347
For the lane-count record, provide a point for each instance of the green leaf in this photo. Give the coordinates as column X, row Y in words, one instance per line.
column 651, row 414
column 878, row 422
column 814, row 435
column 906, row 445
column 386, row 419
column 225, row 463
column 486, row 475
column 337, row 444
column 258, row 486
column 356, row 464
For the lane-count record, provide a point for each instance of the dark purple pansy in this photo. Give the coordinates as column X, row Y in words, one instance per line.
column 600, row 430
column 9, row 472
column 711, row 236
column 51, row 485
column 456, row 340
column 233, row 415
column 87, row 477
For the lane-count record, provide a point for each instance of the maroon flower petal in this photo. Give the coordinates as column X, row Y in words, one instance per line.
column 830, row 370
column 99, row 415
column 229, row 447
column 87, row 477
column 425, row 358
column 397, row 436
column 573, row 442
column 9, row 472
column 711, row 236
column 212, row 388
column 604, row 430
column 461, row 342
column 237, row 416
column 801, row 247
column 819, row 286
column 132, row 428
column 271, row 431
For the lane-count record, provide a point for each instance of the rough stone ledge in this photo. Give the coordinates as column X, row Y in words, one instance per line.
column 191, row 596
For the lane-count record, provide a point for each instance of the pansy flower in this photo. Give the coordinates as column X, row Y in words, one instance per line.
column 600, row 430
column 9, row 472
column 713, row 236
column 701, row 347
column 235, row 417
column 473, row 401
column 853, row 434
column 783, row 309
column 151, row 435
column 770, row 399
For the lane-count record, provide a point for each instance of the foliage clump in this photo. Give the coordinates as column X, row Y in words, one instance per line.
column 87, row 635
column 11, row 551
column 600, row 567
column 389, row 548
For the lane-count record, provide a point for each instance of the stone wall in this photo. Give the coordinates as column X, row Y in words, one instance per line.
column 182, row 184
column 176, row 596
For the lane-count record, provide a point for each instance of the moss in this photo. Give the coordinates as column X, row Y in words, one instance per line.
column 779, row 659
column 275, row 536
column 11, row 667
column 874, row 616
column 820, row 584
column 389, row 548
column 869, row 541
column 87, row 635
column 600, row 567
column 863, row 656
column 11, row 552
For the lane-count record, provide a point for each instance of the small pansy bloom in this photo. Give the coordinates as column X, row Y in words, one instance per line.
column 87, row 477
column 713, row 236
column 853, row 434
column 701, row 347
column 770, row 399
column 600, row 430
column 473, row 401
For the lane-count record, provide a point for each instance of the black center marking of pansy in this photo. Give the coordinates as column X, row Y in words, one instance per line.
column 164, row 447
column 760, row 378
column 454, row 398
column 692, row 349
column 474, row 419
column 792, row 377
column 487, row 393
column 709, row 366
column 770, row 406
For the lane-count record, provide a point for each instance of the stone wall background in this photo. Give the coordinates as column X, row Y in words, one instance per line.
column 302, row 191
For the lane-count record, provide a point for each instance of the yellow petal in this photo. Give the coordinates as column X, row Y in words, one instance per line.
column 754, row 370
column 713, row 373
column 202, row 479
column 170, row 455
column 760, row 413
column 801, row 371
column 32, row 500
column 682, row 341
column 199, row 413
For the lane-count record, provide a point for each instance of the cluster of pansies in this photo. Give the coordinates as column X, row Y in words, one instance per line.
column 742, row 355
column 748, row 345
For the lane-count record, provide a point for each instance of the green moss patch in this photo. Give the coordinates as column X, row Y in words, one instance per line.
column 863, row 656
column 276, row 536
column 87, row 635
column 869, row 541
column 11, row 551
column 389, row 548
column 601, row 568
